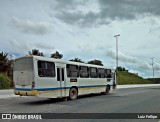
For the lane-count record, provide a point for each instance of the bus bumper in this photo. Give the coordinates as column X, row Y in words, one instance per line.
column 26, row 93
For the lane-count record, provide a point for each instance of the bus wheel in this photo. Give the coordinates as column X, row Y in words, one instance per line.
column 107, row 89
column 73, row 93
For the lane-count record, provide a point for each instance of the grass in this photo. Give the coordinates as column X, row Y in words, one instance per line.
column 125, row 77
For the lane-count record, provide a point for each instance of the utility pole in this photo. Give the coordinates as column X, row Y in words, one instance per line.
column 116, row 36
column 152, row 67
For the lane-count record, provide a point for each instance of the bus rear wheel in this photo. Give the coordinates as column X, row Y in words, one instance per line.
column 73, row 93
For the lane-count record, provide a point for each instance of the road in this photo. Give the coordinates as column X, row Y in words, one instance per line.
column 129, row 100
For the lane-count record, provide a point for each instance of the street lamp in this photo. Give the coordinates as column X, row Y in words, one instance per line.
column 152, row 67
column 116, row 36
column 117, row 48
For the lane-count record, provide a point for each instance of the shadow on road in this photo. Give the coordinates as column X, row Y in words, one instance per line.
column 42, row 101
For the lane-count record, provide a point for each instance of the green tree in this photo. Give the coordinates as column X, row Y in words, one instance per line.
column 96, row 62
column 119, row 68
column 5, row 63
column 77, row 60
column 123, row 69
column 56, row 55
column 5, row 81
column 35, row 52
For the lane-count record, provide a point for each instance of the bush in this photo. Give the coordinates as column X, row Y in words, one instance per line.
column 5, row 81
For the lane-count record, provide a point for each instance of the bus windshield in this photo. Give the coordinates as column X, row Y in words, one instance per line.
column 23, row 64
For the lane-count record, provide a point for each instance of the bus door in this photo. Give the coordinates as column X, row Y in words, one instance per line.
column 61, row 80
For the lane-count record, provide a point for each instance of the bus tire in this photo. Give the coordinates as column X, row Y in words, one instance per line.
column 73, row 93
column 107, row 89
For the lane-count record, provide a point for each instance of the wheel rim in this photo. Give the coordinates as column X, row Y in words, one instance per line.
column 73, row 94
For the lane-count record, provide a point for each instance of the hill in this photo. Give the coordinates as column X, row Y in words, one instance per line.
column 125, row 77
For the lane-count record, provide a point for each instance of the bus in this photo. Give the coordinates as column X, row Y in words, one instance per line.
column 54, row 78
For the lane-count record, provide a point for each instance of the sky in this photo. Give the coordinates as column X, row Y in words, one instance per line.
column 85, row 29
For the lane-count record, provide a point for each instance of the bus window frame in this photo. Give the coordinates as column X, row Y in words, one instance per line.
column 100, row 73
column 69, row 71
column 81, row 71
column 93, row 72
column 43, row 73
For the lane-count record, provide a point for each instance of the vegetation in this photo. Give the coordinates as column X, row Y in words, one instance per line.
column 95, row 62
column 35, row 52
column 121, row 68
column 6, row 67
column 154, row 80
column 56, row 55
column 125, row 77
column 77, row 60
column 5, row 63
column 5, row 81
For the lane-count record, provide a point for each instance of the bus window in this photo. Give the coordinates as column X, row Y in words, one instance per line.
column 93, row 72
column 72, row 70
column 19, row 64
column 108, row 73
column 84, row 71
column 46, row 69
column 101, row 73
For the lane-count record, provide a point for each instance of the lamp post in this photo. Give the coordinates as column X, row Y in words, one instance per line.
column 116, row 36
column 152, row 67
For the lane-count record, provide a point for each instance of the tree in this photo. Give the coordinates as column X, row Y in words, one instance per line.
column 35, row 52
column 121, row 68
column 5, row 63
column 56, row 55
column 96, row 62
column 77, row 60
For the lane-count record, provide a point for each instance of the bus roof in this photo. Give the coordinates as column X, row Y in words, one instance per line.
column 60, row 61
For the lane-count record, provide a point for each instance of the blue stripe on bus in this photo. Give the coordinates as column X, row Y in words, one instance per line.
column 23, row 89
column 58, row 88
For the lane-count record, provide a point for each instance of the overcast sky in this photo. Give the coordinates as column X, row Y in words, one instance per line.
column 85, row 29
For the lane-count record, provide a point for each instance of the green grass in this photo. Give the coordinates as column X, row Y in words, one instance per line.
column 125, row 77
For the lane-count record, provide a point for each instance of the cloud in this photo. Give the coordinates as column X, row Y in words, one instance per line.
column 108, row 10
column 22, row 47
column 122, row 57
column 156, row 66
column 44, row 46
column 19, row 46
column 128, row 59
column 63, row 4
column 30, row 27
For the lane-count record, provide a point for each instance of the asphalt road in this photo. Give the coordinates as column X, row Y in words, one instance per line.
column 130, row 100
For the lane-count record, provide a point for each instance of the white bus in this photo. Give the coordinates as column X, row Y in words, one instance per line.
column 54, row 78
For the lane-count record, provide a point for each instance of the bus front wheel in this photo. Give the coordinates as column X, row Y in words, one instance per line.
column 73, row 93
column 107, row 89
